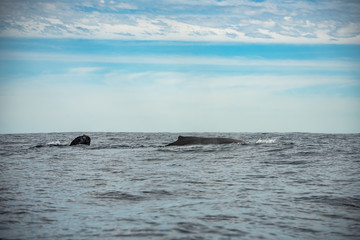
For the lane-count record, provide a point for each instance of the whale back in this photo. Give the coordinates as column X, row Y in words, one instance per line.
column 182, row 141
column 84, row 139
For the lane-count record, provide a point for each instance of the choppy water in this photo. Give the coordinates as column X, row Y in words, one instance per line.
column 128, row 186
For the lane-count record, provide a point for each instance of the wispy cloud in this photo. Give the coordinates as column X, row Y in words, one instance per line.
column 244, row 21
column 171, row 101
column 193, row 72
column 168, row 59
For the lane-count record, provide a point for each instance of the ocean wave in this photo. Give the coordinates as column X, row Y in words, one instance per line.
column 273, row 140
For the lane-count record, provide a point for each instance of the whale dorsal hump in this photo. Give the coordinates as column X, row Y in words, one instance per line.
column 180, row 137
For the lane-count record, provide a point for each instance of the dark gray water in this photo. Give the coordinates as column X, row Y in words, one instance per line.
column 128, row 186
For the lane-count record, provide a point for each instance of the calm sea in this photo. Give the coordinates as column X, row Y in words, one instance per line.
column 129, row 186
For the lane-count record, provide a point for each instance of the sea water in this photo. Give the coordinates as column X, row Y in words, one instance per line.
column 129, row 186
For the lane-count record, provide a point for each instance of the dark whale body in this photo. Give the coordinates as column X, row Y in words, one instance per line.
column 84, row 139
column 182, row 141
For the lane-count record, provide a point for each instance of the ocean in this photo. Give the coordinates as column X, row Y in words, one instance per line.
column 129, row 186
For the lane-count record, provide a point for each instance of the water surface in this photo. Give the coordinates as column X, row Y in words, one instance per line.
column 129, row 186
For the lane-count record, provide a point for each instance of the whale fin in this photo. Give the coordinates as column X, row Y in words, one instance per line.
column 180, row 137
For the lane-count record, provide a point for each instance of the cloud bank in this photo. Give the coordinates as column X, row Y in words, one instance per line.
column 270, row 21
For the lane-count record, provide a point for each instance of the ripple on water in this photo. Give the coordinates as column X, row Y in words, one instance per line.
column 202, row 231
column 118, row 195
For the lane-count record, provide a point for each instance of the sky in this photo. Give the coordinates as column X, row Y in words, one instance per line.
column 180, row 66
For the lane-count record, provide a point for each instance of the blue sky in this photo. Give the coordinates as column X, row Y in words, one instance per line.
column 180, row 66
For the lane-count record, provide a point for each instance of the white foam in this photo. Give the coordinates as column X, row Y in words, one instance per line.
column 54, row 143
column 266, row 141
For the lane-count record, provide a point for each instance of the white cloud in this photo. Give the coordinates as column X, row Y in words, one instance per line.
column 281, row 22
column 125, row 6
column 348, row 31
column 54, row 21
column 84, row 70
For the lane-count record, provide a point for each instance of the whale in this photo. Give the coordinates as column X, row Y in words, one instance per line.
column 84, row 139
column 189, row 140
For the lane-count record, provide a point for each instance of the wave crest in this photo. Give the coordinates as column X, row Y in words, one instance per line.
column 266, row 141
